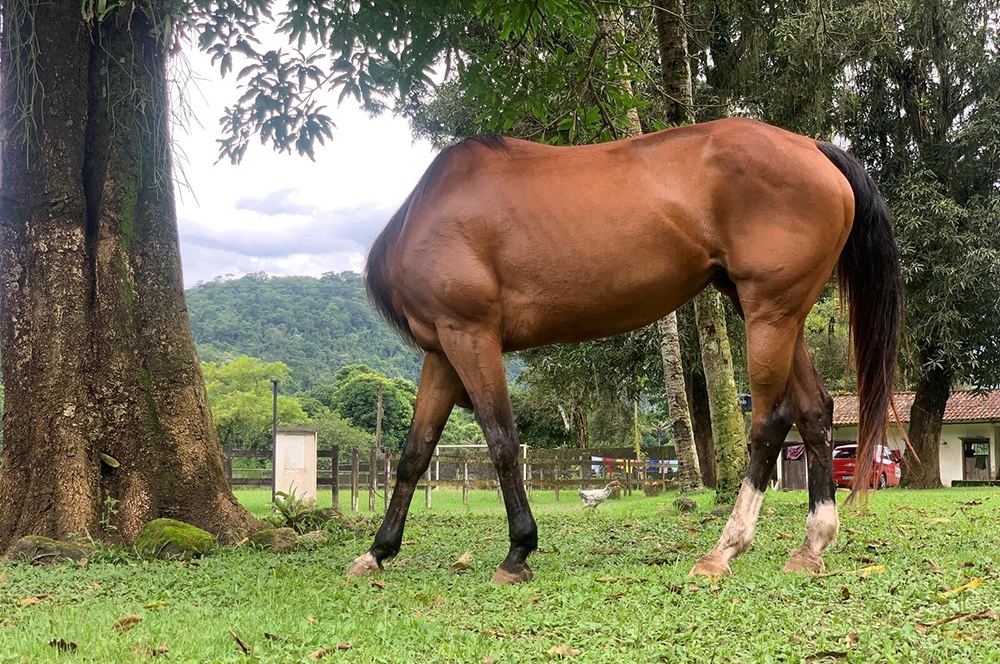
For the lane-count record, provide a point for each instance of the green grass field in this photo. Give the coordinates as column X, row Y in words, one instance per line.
column 612, row 586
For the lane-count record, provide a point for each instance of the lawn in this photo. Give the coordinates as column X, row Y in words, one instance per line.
column 612, row 586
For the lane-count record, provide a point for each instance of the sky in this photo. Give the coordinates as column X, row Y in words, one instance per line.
column 278, row 213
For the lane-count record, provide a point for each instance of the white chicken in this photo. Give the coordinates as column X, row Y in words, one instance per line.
column 595, row 497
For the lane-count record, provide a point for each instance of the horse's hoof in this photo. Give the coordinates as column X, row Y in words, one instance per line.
column 804, row 561
column 505, row 577
column 363, row 566
column 711, row 565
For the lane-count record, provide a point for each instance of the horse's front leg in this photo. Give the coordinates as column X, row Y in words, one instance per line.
column 439, row 390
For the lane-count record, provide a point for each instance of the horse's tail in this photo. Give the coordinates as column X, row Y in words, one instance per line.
column 376, row 274
column 871, row 282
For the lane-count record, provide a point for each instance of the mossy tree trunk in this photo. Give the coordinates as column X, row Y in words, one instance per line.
column 923, row 469
column 727, row 421
column 728, row 432
column 688, row 472
column 701, row 419
column 106, row 419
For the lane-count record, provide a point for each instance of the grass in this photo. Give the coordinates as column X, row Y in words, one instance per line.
column 613, row 585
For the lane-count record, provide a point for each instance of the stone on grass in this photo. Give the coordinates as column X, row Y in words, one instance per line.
column 169, row 538
column 685, row 505
column 39, row 550
column 314, row 538
column 321, row 516
column 725, row 510
column 276, row 540
column 652, row 489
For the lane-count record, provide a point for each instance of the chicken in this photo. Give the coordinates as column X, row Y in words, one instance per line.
column 595, row 497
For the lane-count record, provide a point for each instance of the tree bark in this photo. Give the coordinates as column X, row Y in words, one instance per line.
column 926, row 416
column 106, row 421
column 688, row 472
column 701, row 420
column 728, row 430
column 580, row 426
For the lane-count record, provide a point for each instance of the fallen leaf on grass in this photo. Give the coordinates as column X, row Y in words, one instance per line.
column 146, row 650
column 127, row 622
column 463, row 564
column 3, row 577
column 94, row 586
column 155, row 605
column 244, row 647
column 965, row 565
column 489, row 660
column 786, row 536
column 971, row 502
column 312, row 620
column 851, row 639
column 933, row 565
column 962, row 588
column 986, row 614
column 563, row 651
column 63, row 645
column 863, row 572
column 826, row 654
column 322, row 652
column 408, row 542
column 28, row 601
column 379, row 583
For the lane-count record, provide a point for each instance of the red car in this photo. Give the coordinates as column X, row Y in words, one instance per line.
column 885, row 466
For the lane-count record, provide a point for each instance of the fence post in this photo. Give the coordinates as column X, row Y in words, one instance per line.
column 465, row 481
column 555, row 474
column 584, row 462
column 355, row 471
column 388, row 469
column 372, row 478
column 335, row 470
column 427, row 488
column 228, row 451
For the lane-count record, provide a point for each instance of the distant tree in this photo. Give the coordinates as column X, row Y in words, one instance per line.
column 332, row 429
column 461, row 428
column 240, row 396
column 539, row 422
column 357, row 401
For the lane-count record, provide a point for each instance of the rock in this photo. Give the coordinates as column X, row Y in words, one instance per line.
column 652, row 489
column 320, row 517
column 314, row 538
column 725, row 510
column 276, row 540
column 39, row 550
column 169, row 538
column 685, row 505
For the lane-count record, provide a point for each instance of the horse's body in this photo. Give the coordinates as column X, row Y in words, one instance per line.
column 506, row 244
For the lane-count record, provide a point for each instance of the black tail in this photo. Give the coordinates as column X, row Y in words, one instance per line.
column 376, row 282
column 871, row 282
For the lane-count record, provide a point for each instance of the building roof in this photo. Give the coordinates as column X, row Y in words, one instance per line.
column 963, row 406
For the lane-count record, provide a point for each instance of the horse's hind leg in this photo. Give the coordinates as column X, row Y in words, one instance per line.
column 438, row 392
column 770, row 342
column 814, row 421
column 476, row 354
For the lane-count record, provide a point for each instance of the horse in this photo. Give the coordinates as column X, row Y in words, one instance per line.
column 507, row 244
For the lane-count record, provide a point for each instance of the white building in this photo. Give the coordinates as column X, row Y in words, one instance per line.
column 970, row 436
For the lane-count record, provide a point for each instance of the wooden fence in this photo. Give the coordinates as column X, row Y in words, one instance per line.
column 468, row 469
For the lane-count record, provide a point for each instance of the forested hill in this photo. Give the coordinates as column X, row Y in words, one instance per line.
column 315, row 326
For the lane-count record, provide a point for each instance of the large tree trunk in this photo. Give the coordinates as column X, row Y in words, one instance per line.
column 580, row 426
column 728, row 431
column 926, row 415
column 701, row 424
column 688, row 473
column 727, row 421
column 106, row 419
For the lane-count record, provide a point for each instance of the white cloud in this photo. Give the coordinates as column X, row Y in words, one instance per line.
column 281, row 213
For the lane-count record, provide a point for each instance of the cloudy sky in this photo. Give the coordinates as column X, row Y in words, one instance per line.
column 284, row 214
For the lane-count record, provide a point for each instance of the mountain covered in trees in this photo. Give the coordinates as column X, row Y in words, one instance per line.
column 315, row 326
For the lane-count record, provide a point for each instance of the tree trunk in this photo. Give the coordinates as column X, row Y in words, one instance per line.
column 728, row 431
column 701, row 422
column 926, row 415
column 106, row 421
column 727, row 421
column 688, row 473
column 580, row 426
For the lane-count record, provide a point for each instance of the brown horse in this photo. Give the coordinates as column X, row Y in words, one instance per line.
column 506, row 244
